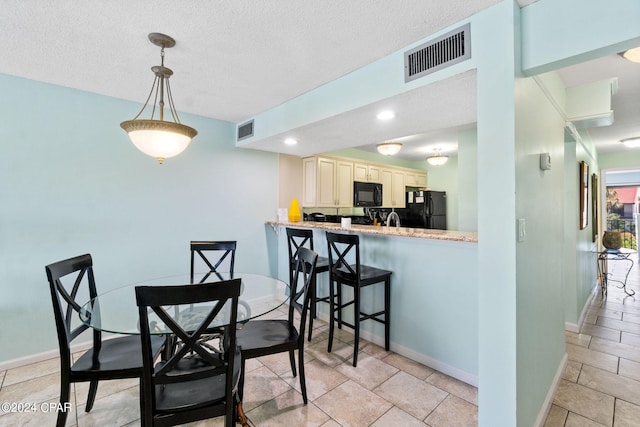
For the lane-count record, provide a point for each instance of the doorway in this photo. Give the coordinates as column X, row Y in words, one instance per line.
column 622, row 205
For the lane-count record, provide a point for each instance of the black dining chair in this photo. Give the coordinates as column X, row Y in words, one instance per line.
column 299, row 238
column 218, row 251
column 219, row 256
column 263, row 337
column 194, row 383
column 107, row 359
column 344, row 248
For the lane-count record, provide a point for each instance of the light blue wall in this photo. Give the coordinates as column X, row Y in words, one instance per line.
column 539, row 285
column 561, row 33
column 424, row 274
column 72, row 183
column 494, row 48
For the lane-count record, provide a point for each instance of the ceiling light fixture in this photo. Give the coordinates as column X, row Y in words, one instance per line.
column 386, row 115
column 438, row 159
column 159, row 138
column 632, row 55
column 291, row 141
column 631, row 142
column 389, row 148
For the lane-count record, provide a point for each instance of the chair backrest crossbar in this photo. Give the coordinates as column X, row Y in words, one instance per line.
column 157, row 298
column 228, row 249
column 340, row 247
column 305, row 265
column 82, row 266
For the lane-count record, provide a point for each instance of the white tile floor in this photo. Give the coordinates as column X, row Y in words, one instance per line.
column 385, row 389
column 600, row 385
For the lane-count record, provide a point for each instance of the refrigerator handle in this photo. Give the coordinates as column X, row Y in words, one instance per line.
column 430, row 207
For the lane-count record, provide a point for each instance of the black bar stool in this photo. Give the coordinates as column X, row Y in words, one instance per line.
column 341, row 248
column 301, row 238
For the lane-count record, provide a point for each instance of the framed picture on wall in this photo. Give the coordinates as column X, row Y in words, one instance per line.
column 584, row 195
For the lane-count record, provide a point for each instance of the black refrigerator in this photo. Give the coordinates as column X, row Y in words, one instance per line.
column 425, row 209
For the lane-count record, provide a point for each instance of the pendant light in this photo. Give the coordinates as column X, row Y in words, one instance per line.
column 389, row 148
column 438, row 159
column 157, row 137
column 632, row 55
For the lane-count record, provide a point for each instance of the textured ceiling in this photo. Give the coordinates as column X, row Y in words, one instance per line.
column 232, row 60
column 236, row 59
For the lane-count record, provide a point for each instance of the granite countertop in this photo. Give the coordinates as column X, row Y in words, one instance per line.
column 421, row 233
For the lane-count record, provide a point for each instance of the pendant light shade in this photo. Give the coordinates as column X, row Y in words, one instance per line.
column 632, row 55
column 389, row 148
column 438, row 159
column 159, row 138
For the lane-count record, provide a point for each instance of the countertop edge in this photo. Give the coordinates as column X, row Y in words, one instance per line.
column 420, row 233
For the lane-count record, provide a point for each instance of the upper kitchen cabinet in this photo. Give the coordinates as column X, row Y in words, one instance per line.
column 415, row 179
column 365, row 172
column 393, row 188
column 327, row 182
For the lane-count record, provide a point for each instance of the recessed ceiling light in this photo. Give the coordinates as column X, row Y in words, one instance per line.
column 291, row 141
column 631, row 142
column 386, row 115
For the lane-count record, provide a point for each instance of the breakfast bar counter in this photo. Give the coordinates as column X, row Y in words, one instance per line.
column 434, row 294
column 421, row 233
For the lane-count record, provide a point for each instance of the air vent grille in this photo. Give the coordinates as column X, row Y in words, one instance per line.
column 245, row 130
column 449, row 49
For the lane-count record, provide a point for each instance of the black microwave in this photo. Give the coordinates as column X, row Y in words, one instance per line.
column 367, row 194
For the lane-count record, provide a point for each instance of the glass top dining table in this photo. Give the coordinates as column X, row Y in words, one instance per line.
column 116, row 310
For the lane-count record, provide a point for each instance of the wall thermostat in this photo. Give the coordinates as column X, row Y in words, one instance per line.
column 545, row 161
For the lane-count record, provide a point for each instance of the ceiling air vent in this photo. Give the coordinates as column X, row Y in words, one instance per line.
column 446, row 50
column 245, row 130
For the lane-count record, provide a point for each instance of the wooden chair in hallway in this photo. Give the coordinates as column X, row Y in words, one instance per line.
column 342, row 248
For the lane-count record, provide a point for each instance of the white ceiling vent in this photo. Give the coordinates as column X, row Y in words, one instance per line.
column 245, row 130
column 446, row 50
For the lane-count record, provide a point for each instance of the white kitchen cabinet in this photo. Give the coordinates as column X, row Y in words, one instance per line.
column 398, row 192
column 393, row 188
column 327, row 182
column 415, row 179
column 365, row 172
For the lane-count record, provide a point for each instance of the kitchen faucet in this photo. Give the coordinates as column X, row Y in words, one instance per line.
column 395, row 216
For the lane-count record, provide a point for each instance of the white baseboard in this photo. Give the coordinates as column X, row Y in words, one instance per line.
column 572, row 327
column 548, row 401
column 39, row 357
column 438, row 365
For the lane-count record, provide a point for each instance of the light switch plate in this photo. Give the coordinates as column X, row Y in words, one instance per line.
column 522, row 231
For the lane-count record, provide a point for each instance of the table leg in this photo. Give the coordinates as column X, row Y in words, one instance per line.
column 630, row 292
column 602, row 274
